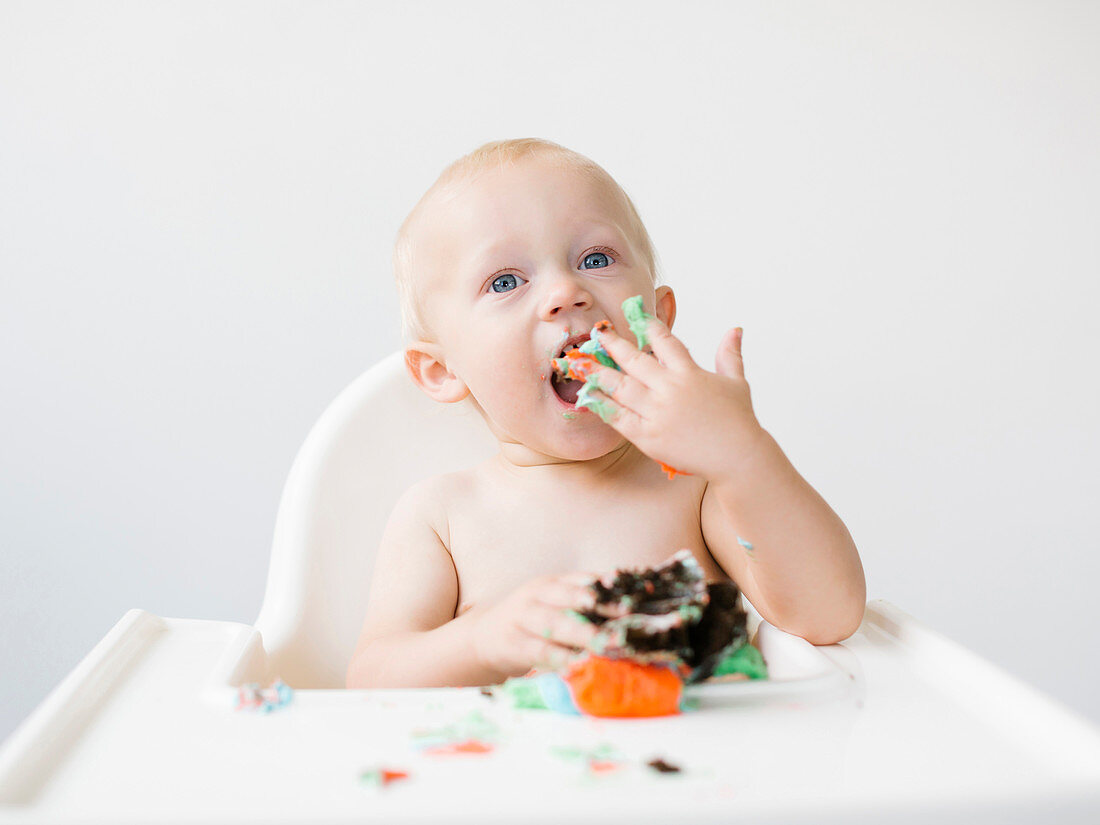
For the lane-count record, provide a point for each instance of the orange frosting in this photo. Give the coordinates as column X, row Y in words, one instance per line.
column 581, row 364
column 672, row 472
column 620, row 687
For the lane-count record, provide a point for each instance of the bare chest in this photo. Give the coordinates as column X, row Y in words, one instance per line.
column 499, row 542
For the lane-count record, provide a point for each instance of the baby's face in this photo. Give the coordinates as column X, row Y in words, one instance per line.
column 522, row 259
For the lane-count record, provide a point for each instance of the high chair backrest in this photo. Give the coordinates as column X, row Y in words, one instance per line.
column 378, row 437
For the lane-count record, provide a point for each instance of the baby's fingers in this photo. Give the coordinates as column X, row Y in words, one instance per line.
column 572, row 590
column 577, row 577
column 545, row 655
column 560, row 627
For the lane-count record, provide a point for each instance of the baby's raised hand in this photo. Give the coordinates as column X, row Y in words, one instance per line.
column 537, row 625
column 672, row 409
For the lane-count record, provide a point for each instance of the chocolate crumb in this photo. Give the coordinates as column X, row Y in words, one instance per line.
column 661, row 766
column 486, row 692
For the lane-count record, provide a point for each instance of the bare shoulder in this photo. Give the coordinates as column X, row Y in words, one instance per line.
column 414, row 583
column 437, row 500
column 426, row 502
column 433, row 500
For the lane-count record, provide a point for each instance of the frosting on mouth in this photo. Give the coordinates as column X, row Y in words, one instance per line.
column 567, row 389
column 574, row 377
column 579, row 364
column 573, row 368
column 574, row 342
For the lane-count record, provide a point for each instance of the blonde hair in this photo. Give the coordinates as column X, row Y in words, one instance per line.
column 498, row 154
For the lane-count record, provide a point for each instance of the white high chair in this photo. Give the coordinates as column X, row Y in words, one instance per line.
column 896, row 724
column 377, row 438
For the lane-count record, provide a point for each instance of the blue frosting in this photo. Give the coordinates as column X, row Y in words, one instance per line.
column 555, row 692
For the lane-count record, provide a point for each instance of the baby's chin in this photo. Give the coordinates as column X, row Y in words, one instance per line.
column 581, row 445
column 581, row 437
column 575, row 443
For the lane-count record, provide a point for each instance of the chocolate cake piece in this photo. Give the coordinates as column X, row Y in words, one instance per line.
column 661, row 589
column 722, row 629
column 668, row 614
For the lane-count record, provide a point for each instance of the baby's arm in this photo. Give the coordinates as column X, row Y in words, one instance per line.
column 786, row 547
column 763, row 523
column 410, row 637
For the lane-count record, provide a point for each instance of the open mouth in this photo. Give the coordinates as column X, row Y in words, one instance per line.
column 567, row 388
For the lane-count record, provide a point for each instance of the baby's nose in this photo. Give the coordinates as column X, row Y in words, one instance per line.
column 563, row 295
column 580, row 304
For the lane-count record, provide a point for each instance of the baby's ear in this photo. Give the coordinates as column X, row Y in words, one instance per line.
column 426, row 367
column 666, row 305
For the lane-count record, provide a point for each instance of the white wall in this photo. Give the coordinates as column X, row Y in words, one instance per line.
column 899, row 202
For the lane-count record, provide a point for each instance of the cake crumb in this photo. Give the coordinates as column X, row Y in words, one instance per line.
column 661, row 766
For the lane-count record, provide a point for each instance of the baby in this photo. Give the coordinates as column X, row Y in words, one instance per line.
column 509, row 260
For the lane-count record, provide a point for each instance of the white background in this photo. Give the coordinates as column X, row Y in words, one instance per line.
column 900, row 202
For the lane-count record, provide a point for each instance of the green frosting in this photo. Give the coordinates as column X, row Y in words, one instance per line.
column 524, row 693
column 595, row 349
column 748, row 547
column 598, row 405
column 690, row 613
column 746, row 659
column 637, row 317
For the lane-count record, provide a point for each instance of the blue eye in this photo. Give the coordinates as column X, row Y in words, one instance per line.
column 507, row 282
column 601, row 260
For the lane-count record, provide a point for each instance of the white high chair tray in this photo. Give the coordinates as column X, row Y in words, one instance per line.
column 895, row 724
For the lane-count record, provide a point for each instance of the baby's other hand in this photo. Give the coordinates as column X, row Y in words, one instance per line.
column 537, row 625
